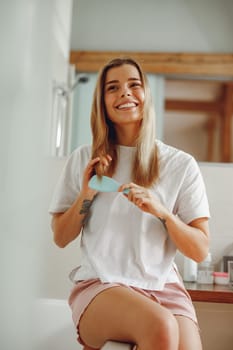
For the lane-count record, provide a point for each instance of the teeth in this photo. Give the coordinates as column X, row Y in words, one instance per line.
column 127, row 105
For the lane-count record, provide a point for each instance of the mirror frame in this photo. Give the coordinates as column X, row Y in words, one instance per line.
column 217, row 65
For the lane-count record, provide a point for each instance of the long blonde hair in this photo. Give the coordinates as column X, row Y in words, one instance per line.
column 145, row 165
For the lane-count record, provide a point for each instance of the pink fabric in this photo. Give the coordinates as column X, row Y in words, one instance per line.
column 174, row 297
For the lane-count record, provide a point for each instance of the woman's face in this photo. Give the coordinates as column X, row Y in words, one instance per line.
column 124, row 95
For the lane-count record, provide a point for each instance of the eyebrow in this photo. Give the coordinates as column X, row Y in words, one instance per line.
column 117, row 81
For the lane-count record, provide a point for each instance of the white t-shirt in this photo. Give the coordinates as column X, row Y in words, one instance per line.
column 121, row 243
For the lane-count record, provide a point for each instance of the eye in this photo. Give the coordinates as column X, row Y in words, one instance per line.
column 111, row 88
column 136, row 84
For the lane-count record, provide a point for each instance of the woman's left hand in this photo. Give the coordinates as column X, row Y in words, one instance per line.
column 191, row 239
column 144, row 200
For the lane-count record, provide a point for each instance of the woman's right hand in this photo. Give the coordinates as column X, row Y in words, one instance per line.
column 67, row 226
column 102, row 162
column 87, row 175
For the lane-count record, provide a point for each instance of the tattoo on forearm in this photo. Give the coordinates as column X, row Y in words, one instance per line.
column 85, row 206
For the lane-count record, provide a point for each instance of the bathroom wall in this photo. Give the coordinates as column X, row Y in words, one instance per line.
column 31, row 57
column 153, row 25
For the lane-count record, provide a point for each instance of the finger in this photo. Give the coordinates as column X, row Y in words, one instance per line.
column 109, row 157
column 139, row 202
column 94, row 161
column 124, row 187
column 104, row 163
column 91, row 165
column 105, row 160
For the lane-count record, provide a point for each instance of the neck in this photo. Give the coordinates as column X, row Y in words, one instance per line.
column 127, row 136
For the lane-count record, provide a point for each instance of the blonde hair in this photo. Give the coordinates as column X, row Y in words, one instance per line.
column 145, row 165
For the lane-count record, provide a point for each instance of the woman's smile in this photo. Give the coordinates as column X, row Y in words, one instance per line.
column 127, row 105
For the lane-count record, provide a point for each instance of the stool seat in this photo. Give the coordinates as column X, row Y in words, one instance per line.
column 114, row 345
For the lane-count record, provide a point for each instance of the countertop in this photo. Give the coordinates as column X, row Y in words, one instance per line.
column 212, row 293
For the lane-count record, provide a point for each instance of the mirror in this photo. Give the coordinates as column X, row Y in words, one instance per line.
column 197, row 98
column 198, row 117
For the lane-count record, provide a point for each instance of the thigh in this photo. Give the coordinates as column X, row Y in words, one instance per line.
column 121, row 314
column 189, row 335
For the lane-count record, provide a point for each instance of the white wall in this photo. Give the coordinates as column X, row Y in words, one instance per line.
column 26, row 74
column 153, row 25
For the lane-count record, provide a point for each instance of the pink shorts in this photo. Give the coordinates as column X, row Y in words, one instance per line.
column 174, row 297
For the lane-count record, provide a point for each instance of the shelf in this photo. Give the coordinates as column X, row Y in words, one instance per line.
column 211, row 293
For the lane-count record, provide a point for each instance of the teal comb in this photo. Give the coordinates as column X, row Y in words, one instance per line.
column 105, row 184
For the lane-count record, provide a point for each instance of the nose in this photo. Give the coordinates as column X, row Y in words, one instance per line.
column 125, row 92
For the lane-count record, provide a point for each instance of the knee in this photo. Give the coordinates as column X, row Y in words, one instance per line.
column 164, row 334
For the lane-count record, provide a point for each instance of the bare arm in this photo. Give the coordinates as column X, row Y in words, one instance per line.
column 68, row 225
column 191, row 239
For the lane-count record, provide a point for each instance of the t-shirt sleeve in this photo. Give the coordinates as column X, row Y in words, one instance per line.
column 68, row 185
column 192, row 200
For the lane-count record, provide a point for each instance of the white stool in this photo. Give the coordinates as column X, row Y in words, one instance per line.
column 114, row 345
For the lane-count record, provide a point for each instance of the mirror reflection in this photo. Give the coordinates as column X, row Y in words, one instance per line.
column 198, row 118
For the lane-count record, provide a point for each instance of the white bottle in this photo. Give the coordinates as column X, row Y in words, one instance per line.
column 205, row 271
column 190, row 270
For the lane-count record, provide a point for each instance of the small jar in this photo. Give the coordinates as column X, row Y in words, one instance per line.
column 205, row 271
column 221, row 278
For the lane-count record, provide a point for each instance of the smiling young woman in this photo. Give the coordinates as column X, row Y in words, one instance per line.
column 127, row 287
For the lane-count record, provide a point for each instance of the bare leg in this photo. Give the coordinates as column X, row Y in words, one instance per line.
column 121, row 314
column 189, row 334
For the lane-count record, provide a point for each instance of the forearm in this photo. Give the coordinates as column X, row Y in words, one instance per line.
column 68, row 225
column 192, row 240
